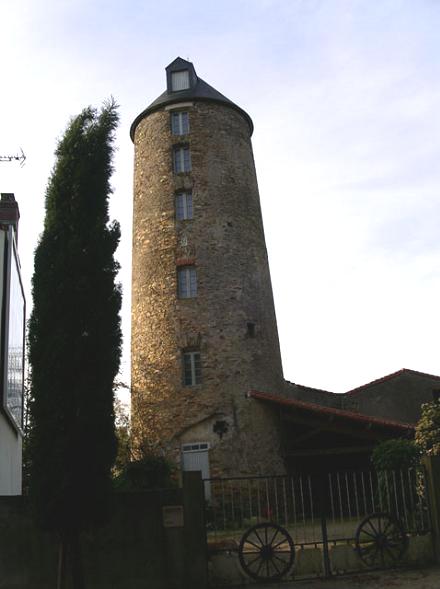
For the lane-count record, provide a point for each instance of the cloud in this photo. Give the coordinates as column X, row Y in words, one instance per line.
column 344, row 97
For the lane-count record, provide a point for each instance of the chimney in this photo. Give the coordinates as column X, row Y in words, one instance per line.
column 9, row 213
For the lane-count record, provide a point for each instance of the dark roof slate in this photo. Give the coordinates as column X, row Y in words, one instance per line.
column 179, row 64
column 200, row 91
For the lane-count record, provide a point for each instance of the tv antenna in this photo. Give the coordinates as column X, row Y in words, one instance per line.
column 20, row 157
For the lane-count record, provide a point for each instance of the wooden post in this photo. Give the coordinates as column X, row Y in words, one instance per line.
column 62, row 559
column 76, row 561
column 196, row 553
column 432, row 467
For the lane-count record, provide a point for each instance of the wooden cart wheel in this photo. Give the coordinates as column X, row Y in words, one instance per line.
column 381, row 540
column 266, row 552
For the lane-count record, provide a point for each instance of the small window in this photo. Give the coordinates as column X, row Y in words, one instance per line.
column 250, row 329
column 179, row 123
column 187, row 282
column 180, row 80
column 182, row 159
column 195, row 447
column 184, row 206
column 192, row 370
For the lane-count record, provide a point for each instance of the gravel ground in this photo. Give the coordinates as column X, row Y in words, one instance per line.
column 428, row 578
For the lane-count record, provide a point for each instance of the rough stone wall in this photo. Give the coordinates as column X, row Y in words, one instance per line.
column 225, row 240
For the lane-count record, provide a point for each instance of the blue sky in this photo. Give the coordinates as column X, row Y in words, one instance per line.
column 344, row 96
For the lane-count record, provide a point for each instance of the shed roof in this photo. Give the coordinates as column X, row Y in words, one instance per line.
column 324, row 410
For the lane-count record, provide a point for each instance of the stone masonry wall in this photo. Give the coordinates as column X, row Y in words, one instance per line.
column 225, row 242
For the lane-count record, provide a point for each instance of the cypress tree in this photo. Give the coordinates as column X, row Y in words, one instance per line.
column 75, row 337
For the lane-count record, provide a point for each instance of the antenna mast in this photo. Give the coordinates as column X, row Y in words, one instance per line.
column 20, row 157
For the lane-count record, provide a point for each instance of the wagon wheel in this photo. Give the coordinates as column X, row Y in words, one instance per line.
column 266, row 552
column 380, row 540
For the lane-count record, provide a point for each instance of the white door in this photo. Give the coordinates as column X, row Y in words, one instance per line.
column 196, row 457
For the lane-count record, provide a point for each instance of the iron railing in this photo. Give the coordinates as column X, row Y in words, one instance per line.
column 300, row 502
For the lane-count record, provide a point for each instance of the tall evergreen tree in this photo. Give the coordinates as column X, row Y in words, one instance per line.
column 75, row 335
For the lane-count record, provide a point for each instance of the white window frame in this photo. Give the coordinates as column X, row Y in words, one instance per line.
column 193, row 356
column 195, row 447
column 187, row 282
column 180, row 81
column 181, row 161
column 184, row 206
column 180, row 122
column 203, row 450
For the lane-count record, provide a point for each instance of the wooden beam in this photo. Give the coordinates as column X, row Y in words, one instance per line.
column 305, row 436
column 337, row 426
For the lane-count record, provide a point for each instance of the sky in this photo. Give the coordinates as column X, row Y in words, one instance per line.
column 344, row 96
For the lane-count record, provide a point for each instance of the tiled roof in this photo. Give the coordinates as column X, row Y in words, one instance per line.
column 315, row 408
column 389, row 377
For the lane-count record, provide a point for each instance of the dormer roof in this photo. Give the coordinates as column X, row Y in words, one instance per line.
column 187, row 87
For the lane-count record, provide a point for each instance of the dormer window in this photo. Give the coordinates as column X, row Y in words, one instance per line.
column 181, row 76
column 179, row 81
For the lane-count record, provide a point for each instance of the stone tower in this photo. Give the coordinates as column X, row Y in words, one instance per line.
column 203, row 321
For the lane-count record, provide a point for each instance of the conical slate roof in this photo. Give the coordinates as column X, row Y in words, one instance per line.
column 198, row 90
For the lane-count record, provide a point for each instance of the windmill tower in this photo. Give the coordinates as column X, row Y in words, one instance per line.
column 203, row 321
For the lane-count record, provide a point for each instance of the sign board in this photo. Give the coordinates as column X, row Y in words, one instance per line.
column 172, row 516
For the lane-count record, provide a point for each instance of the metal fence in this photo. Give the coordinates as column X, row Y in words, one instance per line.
column 299, row 503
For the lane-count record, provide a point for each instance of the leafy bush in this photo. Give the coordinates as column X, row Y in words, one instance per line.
column 428, row 429
column 150, row 472
column 399, row 454
column 395, row 492
column 123, row 435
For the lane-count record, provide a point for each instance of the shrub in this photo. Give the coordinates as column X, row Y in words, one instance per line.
column 428, row 429
column 150, row 472
column 399, row 454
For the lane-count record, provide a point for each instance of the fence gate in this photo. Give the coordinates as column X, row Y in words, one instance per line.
column 302, row 526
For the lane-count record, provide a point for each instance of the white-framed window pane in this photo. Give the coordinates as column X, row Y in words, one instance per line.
column 187, row 371
column 182, row 159
column 187, row 282
column 180, row 206
column 177, row 167
column 179, row 80
column 186, row 159
column 181, row 277
column 180, row 123
column 197, row 368
column 184, row 208
column 189, row 205
column 192, row 372
column 192, row 283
